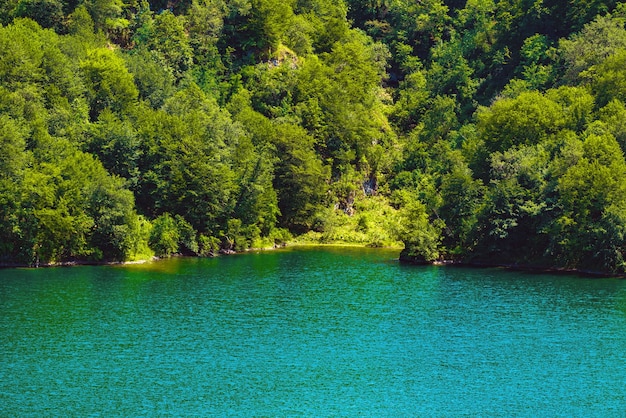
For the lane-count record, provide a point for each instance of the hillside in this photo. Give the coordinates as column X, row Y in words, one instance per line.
column 473, row 131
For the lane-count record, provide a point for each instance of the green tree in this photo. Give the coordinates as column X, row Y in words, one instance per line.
column 411, row 101
column 440, row 120
column 109, row 84
column 115, row 143
column 421, row 236
column 577, row 107
column 524, row 120
column 107, row 15
column 69, row 207
column 536, row 63
column 609, row 80
column 82, row 28
column 614, row 117
column 171, row 41
column 256, row 200
column 462, row 197
column 48, row 13
column 164, row 237
column 450, row 74
column 116, row 227
column 186, row 160
column 14, row 160
column 300, row 178
column 597, row 41
column 188, row 242
column 590, row 232
column 510, row 221
column 422, row 24
column 328, row 20
column 153, row 77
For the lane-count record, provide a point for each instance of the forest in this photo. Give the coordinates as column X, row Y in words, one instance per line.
column 478, row 131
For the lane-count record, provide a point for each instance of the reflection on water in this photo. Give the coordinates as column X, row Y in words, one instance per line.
column 309, row 332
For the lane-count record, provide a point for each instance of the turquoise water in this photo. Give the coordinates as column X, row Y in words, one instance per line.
column 309, row 332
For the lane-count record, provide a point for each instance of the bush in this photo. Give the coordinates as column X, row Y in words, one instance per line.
column 208, row 246
column 164, row 237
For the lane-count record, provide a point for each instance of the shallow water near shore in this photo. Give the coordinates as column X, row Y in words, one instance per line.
column 309, row 332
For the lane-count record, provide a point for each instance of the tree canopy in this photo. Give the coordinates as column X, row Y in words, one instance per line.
column 477, row 131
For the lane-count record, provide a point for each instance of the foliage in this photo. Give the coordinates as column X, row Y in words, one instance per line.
column 480, row 130
column 421, row 236
column 165, row 236
column 372, row 222
column 109, row 84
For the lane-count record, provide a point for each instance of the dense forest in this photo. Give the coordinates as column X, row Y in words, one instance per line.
column 476, row 131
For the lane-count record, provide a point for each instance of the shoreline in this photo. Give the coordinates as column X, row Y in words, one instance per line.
column 77, row 263
column 403, row 259
column 292, row 244
column 513, row 267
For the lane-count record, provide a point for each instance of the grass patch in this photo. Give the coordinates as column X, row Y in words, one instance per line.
column 374, row 224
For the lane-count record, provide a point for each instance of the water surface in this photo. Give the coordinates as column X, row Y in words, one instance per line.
column 309, row 332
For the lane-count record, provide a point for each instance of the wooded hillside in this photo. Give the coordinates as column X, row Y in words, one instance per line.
column 476, row 130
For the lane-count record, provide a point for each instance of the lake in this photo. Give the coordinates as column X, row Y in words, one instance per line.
column 327, row 331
